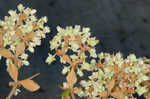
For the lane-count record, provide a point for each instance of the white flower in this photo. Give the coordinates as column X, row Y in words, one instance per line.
column 65, row 85
column 12, row 13
column 17, row 91
column 74, row 46
column 92, row 41
column 132, row 58
column 44, row 19
column 85, row 66
column 93, row 53
column 79, row 72
column 53, row 45
column 65, row 69
column 73, row 57
column 24, row 56
column 25, row 62
column 50, row 58
column 101, row 55
column 46, row 29
column 20, row 7
column 33, row 11
column 141, row 90
column 59, row 29
column 31, row 49
column 27, row 11
column 86, row 30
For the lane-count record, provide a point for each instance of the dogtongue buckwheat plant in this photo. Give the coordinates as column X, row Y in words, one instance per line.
column 70, row 45
column 20, row 31
column 113, row 77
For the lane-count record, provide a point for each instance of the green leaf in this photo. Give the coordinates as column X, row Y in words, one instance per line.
column 65, row 94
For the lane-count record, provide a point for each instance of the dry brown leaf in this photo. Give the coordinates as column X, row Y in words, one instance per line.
column 111, row 84
column 13, row 72
column 66, row 58
column 148, row 95
column 18, row 62
column 66, row 39
column 91, row 89
column 71, row 78
column 146, row 83
column 19, row 33
column 29, row 36
column 117, row 94
column 103, row 94
column 1, row 40
column 6, row 53
column 20, row 48
column 30, row 85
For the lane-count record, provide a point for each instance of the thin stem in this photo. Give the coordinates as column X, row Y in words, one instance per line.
column 34, row 76
column 72, row 93
column 12, row 92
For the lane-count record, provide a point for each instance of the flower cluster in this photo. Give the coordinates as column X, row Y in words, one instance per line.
column 71, row 45
column 22, row 26
column 20, row 31
column 116, row 77
column 112, row 75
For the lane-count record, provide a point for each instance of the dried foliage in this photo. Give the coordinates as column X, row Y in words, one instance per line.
column 20, row 31
column 112, row 75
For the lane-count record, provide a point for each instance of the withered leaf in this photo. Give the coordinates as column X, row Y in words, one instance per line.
column 18, row 62
column 66, row 39
column 91, row 89
column 29, row 36
column 148, row 95
column 30, row 85
column 146, row 83
column 66, row 58
column 103, row 94
column 19, row 33
column 71, row 78
column 13, row 72
column 111, row 84
column 1, row 40
column 6, row 53
column 117, row 94
column 20, row 48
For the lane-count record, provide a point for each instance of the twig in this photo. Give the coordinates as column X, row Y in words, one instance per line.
column 12, row 92
column 34, row 76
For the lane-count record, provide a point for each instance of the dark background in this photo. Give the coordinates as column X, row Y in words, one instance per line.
column 120, row 25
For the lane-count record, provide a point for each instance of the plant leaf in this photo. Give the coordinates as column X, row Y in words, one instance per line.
column 103, row 94
column 29, row 36
column 65, row 94
column 111, row 84
column 20, row 48
column 13, row 72
column 6, row 53
column 29, row 85
column 71, row 78
column 1, row 40
column 117, row 94
column 19, row 33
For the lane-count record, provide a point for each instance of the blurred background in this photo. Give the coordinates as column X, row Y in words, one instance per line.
column 120, row 25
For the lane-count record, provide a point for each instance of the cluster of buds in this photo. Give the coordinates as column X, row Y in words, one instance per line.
column 112, row 75
column 20, row 31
